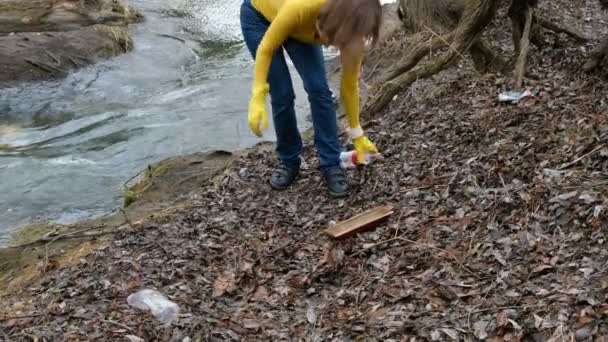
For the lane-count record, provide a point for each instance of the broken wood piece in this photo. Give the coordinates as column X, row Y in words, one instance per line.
column 360, row 223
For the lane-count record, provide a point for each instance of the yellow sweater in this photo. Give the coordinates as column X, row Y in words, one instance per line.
column 298, row 19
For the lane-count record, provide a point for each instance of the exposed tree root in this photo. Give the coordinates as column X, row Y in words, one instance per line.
column 419, row 52
column 549, row 25
column 477, row 15
column 520, row 67
column 484, row 58
column 598, row 56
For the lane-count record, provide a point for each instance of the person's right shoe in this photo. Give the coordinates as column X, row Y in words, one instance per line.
column 283, row 176
column 337, row 182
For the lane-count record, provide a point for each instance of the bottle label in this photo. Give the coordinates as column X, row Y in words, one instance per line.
column 353, row 158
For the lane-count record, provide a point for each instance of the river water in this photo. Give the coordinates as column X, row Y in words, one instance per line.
column 68, row 146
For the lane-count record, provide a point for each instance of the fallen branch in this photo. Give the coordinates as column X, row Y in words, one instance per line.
column 4, row 319
column 80, row 234
column 547, row 24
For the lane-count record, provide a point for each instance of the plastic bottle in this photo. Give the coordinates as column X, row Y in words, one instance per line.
column 151, row 300
column 350, row 159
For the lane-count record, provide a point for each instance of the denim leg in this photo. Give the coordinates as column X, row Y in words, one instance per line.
column 282, row 96
column 308, row 60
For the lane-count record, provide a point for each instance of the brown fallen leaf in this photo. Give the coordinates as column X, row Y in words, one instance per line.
column 333, row 256
column 299, row 281
column 502, row 319
column 261, row 294
column 224, row 283
column 251, row 324
column 480, row 329
column 377, row 314
column 344, row 313
column 246, row 267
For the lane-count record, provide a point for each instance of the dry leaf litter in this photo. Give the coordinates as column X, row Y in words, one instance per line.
column 499, row 233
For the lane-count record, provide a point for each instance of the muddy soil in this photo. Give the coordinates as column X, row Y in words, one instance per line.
column 153, row 195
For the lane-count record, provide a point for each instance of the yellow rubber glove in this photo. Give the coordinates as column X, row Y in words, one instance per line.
column 362, row 144
column 257, row 110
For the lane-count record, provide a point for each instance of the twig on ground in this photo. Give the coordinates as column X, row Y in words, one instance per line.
column 361, row 287
column 45, row 67
column 4, row 319
column 117, row 324
column 445, row 251
column 79, row 234
column 149, row 168
column 53, row 57
column 595, row 150
column 395, row 238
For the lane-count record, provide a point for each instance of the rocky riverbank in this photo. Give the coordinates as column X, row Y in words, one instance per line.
column 41, row 39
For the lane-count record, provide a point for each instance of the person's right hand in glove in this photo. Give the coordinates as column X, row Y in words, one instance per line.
column 362, row 144
column 258, row 117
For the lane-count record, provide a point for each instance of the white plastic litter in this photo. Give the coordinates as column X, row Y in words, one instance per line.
column 514, row 96
column 159, row 306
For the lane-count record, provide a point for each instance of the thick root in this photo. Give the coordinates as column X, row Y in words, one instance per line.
column 546, row 24
column 478, row 14
column 598, row 56
column 520, row 67
column 419, row 52
column 484, row 58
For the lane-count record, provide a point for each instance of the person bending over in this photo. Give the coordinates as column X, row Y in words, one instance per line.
column 301, row 27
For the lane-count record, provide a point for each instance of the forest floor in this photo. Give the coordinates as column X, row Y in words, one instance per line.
column 499, row 229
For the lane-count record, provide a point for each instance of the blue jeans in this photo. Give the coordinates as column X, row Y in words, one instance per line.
column 309, row 62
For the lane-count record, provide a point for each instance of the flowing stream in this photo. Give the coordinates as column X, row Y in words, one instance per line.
column 68, row 146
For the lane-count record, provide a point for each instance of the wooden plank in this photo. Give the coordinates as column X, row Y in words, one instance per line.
column 360, row 223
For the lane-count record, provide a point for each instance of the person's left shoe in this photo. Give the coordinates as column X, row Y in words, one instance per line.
column 337, row 182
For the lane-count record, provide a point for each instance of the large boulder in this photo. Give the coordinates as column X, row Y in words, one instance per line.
column 41, row 39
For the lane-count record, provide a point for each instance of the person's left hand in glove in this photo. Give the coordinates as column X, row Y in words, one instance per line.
column 362, row 144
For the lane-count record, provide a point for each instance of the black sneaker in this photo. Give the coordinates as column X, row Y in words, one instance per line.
column 337, row 183
column 284, row 176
